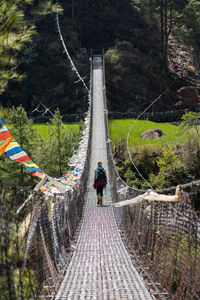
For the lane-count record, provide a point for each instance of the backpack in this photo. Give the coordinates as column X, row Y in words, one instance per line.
column 101, row 176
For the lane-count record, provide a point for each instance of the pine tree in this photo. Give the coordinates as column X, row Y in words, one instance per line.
column 191, row 20
column 23, row 132
column 16, row 31
column 169, row 13
column 53, row 154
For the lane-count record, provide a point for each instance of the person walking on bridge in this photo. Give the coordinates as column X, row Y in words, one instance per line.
column 100, row 181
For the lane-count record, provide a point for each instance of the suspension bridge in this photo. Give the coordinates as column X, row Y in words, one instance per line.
column 140, row 252
column 101, row 267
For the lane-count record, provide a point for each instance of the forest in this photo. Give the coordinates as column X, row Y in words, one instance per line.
column 142, row 40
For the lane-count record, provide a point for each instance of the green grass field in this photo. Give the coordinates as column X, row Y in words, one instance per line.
column 119, row 130
column 42, row 129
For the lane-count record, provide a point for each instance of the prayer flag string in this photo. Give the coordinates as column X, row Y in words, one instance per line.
column 14, row 151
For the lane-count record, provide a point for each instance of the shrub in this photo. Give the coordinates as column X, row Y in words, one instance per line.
column 171, row 171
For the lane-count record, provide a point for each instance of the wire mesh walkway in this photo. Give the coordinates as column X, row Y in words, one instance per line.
column 100, row 267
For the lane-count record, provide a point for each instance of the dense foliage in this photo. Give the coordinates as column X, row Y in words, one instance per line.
column 138, row 67
column 172, row 165
column 134, row 34
column 16, row 32
column 51, row 155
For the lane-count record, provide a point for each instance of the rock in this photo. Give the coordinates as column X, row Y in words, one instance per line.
column 188, row 97
column 152, row 134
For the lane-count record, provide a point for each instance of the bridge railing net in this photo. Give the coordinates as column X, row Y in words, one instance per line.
column 162, row 238
column 165, row 239
column 36, row 245
column 33, row 263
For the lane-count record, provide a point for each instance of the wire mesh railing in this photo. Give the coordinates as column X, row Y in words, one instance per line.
column 36, row 245
column 165, row 238
column 162, row 238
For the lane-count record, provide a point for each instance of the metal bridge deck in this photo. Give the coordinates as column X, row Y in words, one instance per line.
column 101, row 268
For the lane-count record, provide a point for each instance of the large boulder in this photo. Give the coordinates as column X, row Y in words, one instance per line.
column 188, row 97
column 156, row 133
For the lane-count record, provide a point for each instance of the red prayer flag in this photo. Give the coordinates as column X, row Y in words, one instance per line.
column 38, row 174
column 5, row 135
column 23, row 158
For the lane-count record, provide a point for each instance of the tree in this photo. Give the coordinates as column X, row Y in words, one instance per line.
column 16, row 31
column 53, row 154
column 47, row 7
column 191, row 154
column 22, row 127
column 58, row 142
column 191, row 120
column 171, row 171
column 170, row 12
column 13, row 34
column 191, row 16
column 23, row 132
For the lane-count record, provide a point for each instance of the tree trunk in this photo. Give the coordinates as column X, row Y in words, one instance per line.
column 59, row 150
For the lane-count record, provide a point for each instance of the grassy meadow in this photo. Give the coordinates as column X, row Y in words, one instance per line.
column 119, row 130
column 42, row 128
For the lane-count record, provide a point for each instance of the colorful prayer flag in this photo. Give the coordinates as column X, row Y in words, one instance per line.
column 14, row 151
column 38, row 174
column 5, row 137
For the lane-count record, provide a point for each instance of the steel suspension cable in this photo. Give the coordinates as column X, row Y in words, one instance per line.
column 136, row 166
column 68, row 56
column 129, row 153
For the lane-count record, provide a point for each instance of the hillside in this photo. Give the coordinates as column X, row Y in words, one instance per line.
column 129, row 32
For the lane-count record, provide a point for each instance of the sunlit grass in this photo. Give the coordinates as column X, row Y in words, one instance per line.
column 43, row 130
column 119, row 130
